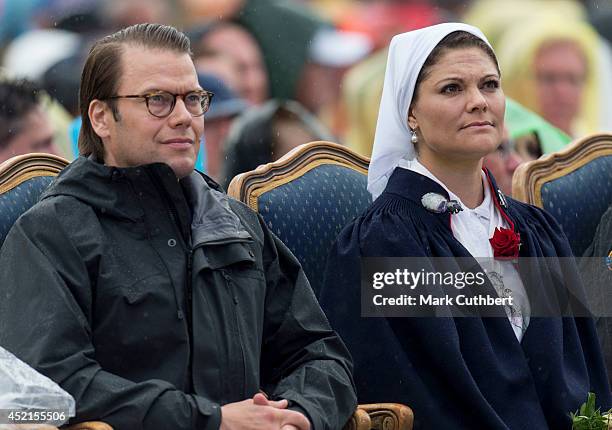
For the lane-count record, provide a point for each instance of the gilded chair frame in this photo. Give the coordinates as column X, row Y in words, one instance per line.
column 89, row 425
column 20, row 168
column 381, row 416
column 530, row 177
column 249, row 186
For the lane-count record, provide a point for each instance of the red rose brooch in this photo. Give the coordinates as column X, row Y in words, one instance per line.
column 506, row 243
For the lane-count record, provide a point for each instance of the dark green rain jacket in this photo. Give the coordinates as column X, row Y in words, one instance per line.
column 153, row 302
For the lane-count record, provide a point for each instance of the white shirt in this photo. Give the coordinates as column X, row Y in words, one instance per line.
column 473, row 228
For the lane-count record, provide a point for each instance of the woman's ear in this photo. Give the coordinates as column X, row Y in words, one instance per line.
column 412, row 121
column 100, row 116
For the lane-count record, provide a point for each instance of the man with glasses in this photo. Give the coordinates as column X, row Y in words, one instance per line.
column 143, row 290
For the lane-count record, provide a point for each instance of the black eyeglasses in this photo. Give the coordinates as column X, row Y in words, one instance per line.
column 161, row 103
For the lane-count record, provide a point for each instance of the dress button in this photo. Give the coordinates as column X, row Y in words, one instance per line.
column 171, row 242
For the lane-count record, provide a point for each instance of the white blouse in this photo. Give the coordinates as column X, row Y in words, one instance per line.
column 473, row 228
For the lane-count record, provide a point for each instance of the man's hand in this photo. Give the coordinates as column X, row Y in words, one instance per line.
column 260, row 413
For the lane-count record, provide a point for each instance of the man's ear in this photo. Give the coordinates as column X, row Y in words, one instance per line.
column 412, row 121
column 100, row 116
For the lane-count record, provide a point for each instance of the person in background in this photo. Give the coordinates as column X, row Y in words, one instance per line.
column 116, row 14
column 219, row 119
column 503, row 162
column 223, row 66
column 265, row 133
column 551, row 67
column 61, row 81
column 301, row 55
column 24, row 125
column 235, row 41
column 330, row 55
column 532, row 135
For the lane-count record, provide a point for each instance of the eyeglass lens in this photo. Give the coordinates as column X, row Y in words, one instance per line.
column 161, row 104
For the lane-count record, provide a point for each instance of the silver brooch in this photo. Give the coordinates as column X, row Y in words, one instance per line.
column 437, row 203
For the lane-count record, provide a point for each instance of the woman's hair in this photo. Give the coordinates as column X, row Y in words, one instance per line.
column 454, row 40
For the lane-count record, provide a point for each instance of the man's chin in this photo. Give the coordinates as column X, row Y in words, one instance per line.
column 182, row 168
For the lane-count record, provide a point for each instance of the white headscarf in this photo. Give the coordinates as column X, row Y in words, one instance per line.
column 407, row 53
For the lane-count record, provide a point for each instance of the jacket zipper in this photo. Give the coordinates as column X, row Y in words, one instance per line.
column 189, row 293
column 189, row 298
column 232, row 292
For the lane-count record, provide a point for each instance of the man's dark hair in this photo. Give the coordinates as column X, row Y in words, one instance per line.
column 102, row 72
column 17, row 99
column 454, row 40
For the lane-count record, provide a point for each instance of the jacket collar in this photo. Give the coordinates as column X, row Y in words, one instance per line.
column 114, row 191
column 212, row 219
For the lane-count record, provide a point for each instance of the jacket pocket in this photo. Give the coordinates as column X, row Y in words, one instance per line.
column 238, row 260
column 139, row 290
column 229, row 254
column 233, row 279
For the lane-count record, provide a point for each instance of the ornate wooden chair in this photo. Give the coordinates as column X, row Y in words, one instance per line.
column 22, row 180
column 574, row 185
column 306, row 198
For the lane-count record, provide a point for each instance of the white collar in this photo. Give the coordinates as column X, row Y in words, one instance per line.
column 485, row 209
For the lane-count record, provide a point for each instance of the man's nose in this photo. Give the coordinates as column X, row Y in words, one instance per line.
column 180, row 115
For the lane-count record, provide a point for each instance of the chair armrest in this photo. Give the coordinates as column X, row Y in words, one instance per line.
column 389, row 416
column 89, row 425
column 360, row 420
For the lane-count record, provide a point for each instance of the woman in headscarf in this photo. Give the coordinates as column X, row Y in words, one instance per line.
column 362, row 90
column 513, row 365
column 552, row 66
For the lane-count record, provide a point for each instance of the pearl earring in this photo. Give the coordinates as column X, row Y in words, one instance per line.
column 414, row 138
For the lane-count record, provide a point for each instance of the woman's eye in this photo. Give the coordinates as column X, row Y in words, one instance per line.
column 450, row 89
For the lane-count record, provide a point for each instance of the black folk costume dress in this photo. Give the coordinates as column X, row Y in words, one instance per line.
column 470, row 372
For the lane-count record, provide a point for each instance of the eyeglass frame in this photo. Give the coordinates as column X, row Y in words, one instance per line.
column 146, row 96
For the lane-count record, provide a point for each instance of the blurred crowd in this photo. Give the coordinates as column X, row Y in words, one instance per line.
column 286, row 72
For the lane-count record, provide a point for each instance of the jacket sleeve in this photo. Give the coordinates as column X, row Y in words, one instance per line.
column 303, row 359
column 45, row 315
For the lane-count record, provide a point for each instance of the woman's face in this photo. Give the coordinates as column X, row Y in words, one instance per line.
column 459, row 110
column 560, row 70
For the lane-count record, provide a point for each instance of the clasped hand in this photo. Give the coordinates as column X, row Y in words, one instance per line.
column 260, row 413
